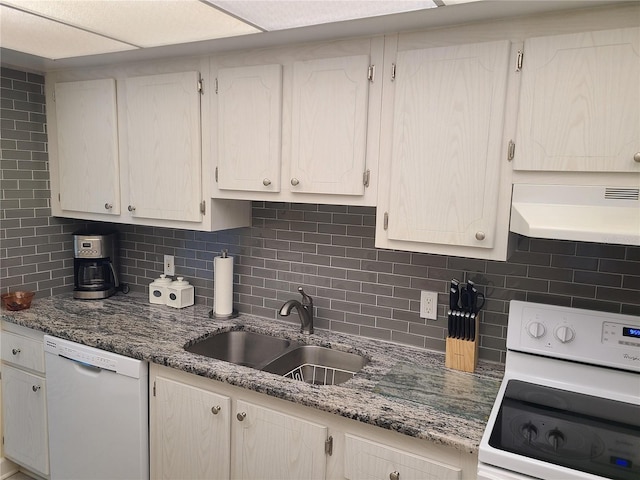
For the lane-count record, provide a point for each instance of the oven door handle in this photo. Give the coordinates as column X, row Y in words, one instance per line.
column 489, row 472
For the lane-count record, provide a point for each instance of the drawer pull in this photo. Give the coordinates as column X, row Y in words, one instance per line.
column 394, row 476
column 35, row 388
column 295, row 182
column 215, row 410
column 15, row 351
column 241, row 416
column 266, row 182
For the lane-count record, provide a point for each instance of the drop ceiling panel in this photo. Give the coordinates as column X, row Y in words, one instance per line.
column 141, row 23
column 37, row 36
column 282, row 14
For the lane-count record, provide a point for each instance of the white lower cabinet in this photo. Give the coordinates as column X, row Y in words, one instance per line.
column 204, row 429
column 372, row 460
column 24, row 406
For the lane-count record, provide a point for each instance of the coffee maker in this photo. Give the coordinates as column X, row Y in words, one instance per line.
column 95, row 264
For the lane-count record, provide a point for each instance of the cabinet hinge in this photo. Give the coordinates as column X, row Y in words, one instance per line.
column 203, row 207
column 328, row 446
column 372, row 72
column 216, row 174
column 154, row 388
column 216, row 85
column 58, row 198
column 511, row 150
column 519, row 60
column 393, row 72
column 365, row 177
column 201, row 86
column 385, row 223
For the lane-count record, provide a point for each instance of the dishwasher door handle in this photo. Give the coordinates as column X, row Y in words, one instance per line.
column 91, row 368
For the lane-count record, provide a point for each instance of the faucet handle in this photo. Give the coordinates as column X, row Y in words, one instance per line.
column 306, row 299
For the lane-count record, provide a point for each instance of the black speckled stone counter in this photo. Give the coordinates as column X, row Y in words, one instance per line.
column 404, row 389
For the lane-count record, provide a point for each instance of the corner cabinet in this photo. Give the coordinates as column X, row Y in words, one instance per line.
column 580, row 103
column 448, row 186
column 126, row 147
column 24, row 406
column 205, row 429
column 88, row 163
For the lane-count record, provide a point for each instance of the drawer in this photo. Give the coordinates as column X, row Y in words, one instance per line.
column 23, row 352
column 366, row 459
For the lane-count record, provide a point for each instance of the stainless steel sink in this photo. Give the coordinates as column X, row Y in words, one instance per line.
column 308, row 363
column 317, row 365
column 241, row 347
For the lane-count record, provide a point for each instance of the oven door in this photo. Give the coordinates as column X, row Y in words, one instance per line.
column 487, row 472
column 551, row 433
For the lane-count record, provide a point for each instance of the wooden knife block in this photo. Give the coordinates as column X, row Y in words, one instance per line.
column 463, row 354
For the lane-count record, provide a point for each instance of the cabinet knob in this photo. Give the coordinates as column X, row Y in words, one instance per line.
column 35, row 388
column 241, row 416
column 394, row 476
column 131, row 208
column 636, row 157
column 15, row 351
column 215, row 410
column 295, row 182
column 108, row 206
column 480, row 236
column 266, row 182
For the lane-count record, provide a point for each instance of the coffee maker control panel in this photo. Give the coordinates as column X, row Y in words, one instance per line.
column 92, row 247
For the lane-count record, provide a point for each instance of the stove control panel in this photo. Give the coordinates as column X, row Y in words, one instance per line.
column 599, row 338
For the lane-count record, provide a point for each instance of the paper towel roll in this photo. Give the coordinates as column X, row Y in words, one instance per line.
column 223, row 285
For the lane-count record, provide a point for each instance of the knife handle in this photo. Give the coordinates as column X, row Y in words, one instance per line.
column 449, row 323
column 472, row 327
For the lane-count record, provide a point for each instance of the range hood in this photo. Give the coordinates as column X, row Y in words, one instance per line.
column 583, row 213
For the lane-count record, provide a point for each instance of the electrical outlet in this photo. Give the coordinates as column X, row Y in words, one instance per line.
column 428, row 305
column 169, row 265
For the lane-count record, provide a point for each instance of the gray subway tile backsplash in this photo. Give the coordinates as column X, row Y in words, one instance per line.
column 329, row 249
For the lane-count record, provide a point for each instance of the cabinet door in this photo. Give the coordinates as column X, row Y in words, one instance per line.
column 163, row 146
column 24, row 413
column 580, row 103
column 447, row 138
column 329, row 125
column 87, row 137
column 371, row 460
column 250, row 128
column 272, row 445
column 190, row 432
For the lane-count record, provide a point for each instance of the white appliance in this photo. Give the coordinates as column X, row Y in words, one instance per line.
column 569, row 403
column 97, row 405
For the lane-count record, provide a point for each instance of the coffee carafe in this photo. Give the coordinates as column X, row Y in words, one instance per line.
column 95, row 265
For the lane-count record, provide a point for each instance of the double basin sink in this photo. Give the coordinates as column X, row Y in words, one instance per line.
column 308, row 363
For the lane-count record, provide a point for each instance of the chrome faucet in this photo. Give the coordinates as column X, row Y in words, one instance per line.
column 305, row 311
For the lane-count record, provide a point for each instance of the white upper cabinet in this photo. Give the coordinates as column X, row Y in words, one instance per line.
column 249, row 128
column 298, row 123
column 444, row 163
column 580, row 103
column 88, row 167
column 329, row 125
column 163, row 148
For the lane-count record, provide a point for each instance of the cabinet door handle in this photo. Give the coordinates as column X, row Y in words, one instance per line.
column 241, row 416
column 266, row 182
column 15, row 351
column 295, row 182
column 636, row 157
column 480, row 236
column 35, row 388
column 215, row 410
column 131, row 208
column 394, row 475
column 108, row 206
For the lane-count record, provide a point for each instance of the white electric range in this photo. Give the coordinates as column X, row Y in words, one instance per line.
column 569, row 404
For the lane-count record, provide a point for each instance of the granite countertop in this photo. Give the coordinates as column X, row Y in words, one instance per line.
column 405, row 389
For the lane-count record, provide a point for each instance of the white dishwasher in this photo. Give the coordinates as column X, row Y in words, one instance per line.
column 98, row 412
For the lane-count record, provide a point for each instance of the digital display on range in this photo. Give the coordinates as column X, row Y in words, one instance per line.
column 621, row 462
column 631, row 332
